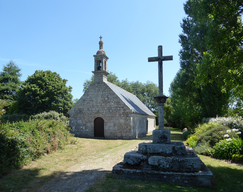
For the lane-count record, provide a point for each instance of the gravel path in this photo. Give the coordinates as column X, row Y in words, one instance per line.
column 80, row 177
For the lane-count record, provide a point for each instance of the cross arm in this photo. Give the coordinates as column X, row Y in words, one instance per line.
column 151, row 59
column 164, row 58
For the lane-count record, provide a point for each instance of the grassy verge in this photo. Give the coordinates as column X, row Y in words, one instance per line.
column 227, row 177
column 34, row 175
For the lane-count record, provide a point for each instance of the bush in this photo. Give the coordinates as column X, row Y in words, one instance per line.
column 226, row 149
column 204, row 149
column 51, row 115
column 192, row 141
column 213, row 135
column 14, row 118
column 205, row 127
column 237, row 158
column 23, row 142
column 24, row 117
column 207, row 135
column 231, row 122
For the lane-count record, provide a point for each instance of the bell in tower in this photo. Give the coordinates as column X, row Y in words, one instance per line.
column 100, row 64
column 100, row 58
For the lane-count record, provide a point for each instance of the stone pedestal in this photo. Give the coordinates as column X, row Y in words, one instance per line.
column 164, row 161
column 161, row 136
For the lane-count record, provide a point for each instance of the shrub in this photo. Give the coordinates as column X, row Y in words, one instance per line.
column 205, row 127
column 14, row 118
column 226, row 149
column 24, row 117
column 23, row 142
column 213, row 135
column 204, row 149
column 192, row 141
column 237, row 158
column 51, row 115
column 231, row 122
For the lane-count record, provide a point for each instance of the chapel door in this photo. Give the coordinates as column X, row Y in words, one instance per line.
column 98, row 127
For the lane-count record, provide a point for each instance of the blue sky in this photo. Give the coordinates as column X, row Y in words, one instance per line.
column 63, row 35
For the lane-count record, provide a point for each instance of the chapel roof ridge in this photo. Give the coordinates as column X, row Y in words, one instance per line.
column 121, row 88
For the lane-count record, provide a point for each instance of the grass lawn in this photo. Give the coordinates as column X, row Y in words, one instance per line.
column 227, row 177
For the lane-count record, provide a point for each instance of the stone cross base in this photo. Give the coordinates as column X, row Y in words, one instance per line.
column 161, row 136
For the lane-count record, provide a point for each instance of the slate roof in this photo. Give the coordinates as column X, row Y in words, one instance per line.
column 130, row 100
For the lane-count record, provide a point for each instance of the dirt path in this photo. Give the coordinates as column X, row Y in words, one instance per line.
column 80, row 177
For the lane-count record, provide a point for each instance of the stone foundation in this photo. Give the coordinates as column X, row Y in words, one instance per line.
column 164, row 161
column 200, row 178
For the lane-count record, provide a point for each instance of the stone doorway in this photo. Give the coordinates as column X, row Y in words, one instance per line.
column 99, row 127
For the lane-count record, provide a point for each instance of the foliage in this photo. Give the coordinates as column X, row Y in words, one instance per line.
column 215, row 135
column 211, row 61
column 44, row 91
column 231, row 122
column 144, row 91
column 204, row 149
column 226, row 149
column 224, row 40
column 211, row 137
column 205, row 127
column 14, row 117
column 23, row 142
column 192, row 141
column 237, row 158
column 52, row 115
column 9, row 81
column 3, row 104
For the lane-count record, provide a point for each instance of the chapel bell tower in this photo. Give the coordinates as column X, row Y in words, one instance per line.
column 100, row 64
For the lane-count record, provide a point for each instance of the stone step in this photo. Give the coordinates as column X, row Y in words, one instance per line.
column 175, row 164
column 186, row 163
column 174, row 148
column 200, row 178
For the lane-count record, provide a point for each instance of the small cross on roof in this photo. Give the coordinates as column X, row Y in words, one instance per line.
column 100, row 37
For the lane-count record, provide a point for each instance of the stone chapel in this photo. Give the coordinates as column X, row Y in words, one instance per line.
column 108, row 111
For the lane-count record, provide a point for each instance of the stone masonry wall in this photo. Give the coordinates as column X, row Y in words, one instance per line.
column 139, row 124
column 100, row 101
column 151, row 124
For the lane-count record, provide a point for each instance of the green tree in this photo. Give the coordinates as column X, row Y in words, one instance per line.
column 9, row 81
column 44, row 91
column 223, row 58
column 3, row 104
column 192, row 100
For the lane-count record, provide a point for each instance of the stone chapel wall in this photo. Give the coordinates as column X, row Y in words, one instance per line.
column 100, row 101
column 139, row 124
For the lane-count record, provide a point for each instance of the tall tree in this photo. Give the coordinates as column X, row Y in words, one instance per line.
column 223, row 58
column 44, row 91
column 191, row 99
column 9, row 81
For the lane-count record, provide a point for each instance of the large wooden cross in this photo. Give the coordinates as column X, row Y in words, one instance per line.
column 160, row 60
column 161, row 98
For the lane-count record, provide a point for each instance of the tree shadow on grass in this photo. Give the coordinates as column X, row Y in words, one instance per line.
column 227, row 178
column 23, row 179
column 29, row 180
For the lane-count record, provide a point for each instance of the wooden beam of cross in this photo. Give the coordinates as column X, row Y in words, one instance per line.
column 160, row 60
